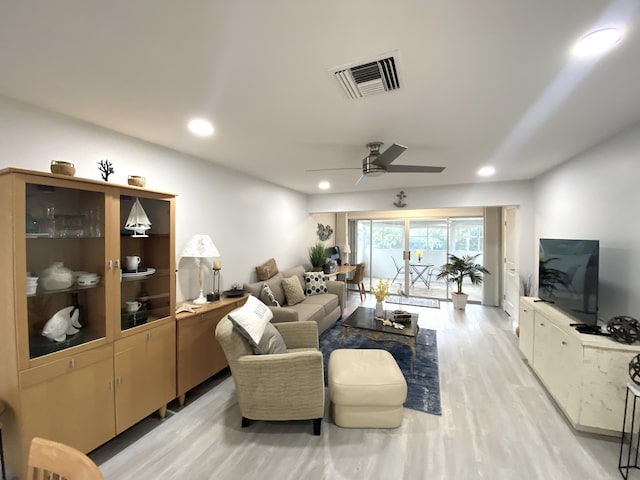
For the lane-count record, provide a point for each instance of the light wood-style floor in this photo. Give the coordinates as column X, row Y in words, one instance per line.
column 497, row 423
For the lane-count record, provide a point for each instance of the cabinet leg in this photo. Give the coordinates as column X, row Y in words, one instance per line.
column 181, row 399
column 162, row 411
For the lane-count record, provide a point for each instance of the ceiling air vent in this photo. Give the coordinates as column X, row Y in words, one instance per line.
column 362, row 80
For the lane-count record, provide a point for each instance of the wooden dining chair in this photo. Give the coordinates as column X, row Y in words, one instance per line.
column 49, row 459
column 358, row 280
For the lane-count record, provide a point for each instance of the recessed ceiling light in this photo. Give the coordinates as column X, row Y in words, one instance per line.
column 201, row 127
column 486, row 171
column 596, row 42
column 324, row 185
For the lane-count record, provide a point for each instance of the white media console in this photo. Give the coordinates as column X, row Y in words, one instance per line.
column 587, row 375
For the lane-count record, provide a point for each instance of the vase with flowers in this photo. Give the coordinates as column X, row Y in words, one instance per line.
column 380, row 291
column 419, row 253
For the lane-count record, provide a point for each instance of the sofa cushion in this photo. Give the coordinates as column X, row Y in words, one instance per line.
column 314, row 283
column 328, row 302
column 267, row 270
column 270, row 297
column 293, row 290
column 271, row 342
column 251, row 319
column 309, row 311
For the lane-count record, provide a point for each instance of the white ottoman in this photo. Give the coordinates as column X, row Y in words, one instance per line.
column 366, row 388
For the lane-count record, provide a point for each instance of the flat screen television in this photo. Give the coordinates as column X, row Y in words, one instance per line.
column 568, row 277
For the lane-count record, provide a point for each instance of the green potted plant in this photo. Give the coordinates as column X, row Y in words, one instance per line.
column 455, row 271
column 317, row 256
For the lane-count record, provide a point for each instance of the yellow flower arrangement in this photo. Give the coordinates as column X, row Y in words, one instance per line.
column 381, row 290
column 419, row 254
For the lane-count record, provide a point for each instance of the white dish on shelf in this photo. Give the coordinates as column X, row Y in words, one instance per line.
column 147, row 272
column 88, row 279
column 37, row 235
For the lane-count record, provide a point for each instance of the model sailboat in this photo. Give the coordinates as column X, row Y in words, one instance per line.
column 138, row 221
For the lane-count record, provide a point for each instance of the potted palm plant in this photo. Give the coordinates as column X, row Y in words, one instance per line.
column 456, row 270
column 317, row 256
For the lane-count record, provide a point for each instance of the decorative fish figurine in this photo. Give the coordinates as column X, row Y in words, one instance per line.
column 64, row 322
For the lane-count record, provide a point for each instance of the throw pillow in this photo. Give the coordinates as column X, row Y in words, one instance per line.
column 314, row 283
column 251, row 319
column 268, row 295
column 271, row 342
column 267, row 270
column 292, row 290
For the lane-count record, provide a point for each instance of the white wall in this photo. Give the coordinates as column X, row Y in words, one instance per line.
column 596, row 196
column 248, row 219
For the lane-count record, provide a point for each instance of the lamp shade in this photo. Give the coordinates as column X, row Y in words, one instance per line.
column 346, row 249
column 200, row 246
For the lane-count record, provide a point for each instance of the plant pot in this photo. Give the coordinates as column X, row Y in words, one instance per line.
column 459, row 300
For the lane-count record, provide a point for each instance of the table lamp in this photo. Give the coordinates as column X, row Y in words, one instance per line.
column 200, row 247
column 346, row 250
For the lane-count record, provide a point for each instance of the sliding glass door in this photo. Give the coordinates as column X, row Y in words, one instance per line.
column 410, row 251
column 466, row 237
column 428, row 248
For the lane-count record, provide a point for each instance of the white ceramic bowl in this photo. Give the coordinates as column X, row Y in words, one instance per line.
column 88, row 279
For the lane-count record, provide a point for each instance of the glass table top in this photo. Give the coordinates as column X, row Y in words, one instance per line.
column 363, row 318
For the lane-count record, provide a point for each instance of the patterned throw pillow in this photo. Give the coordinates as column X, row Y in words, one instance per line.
column 314, row 283
column 268, row 294
column 292, row 290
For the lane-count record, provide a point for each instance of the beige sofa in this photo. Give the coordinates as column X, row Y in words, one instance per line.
column 324, row 309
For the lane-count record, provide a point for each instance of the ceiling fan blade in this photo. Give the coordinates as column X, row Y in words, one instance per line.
column 389, row 155
column 340, row 168
column 361, row 180
column 413, row 169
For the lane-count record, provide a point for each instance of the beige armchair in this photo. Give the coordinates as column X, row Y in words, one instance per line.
column 288, row 386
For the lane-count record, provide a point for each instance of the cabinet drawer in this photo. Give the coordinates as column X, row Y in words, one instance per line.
column 43, row 373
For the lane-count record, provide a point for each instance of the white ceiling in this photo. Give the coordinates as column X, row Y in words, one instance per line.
column 487, row 82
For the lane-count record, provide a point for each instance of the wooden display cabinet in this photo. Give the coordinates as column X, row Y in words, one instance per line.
column 200, row 356
column 88, row 386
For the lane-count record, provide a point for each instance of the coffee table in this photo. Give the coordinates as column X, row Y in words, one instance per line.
column 361, row 322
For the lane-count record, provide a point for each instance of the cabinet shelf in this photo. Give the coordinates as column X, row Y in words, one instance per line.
column 74, row 289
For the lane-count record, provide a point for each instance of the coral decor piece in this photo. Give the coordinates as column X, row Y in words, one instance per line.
column 106, row 169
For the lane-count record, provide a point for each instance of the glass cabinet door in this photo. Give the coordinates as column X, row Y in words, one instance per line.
column 65, row 252
column 145, row 260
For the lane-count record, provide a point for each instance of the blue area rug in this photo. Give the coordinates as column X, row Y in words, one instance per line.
column 423, row 392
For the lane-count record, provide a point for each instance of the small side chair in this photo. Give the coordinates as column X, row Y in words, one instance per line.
column 358, row 280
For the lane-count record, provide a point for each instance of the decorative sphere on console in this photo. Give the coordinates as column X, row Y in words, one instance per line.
column 624, row 329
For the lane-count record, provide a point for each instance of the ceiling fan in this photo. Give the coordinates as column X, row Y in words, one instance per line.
column 376, row 164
